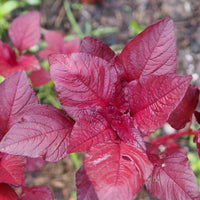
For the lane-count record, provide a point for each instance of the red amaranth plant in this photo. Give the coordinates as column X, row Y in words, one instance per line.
column 116, row 101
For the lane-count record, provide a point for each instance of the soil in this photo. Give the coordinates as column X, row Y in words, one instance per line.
column 118, row 13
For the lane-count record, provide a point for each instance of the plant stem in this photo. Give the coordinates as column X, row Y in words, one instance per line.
column 72, row 20
column 165, row 138
column 75, row 160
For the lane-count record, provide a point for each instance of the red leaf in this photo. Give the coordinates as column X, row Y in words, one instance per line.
column 197, row 116
column 152, row 99
column 123, row 126
column 183, row 112
column 97, row 48
column 82, row 80
column 28, row 62
column 90, row 129
column 33, row 164
column 57, row 44
column 172, row 176
column 85, row 189
column 42, row 132
column 197, row 140
column 7, row 193
column 54, row 40
column 117, row 170
column 15, row 93
column 152, row 52
column 12, row 169
column 37, row 192
column 40, row 77
column 25, row 62
column 24, row 31
column 72, row 46
column 7, row 56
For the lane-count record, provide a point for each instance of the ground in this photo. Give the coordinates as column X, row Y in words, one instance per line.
column 118, row 13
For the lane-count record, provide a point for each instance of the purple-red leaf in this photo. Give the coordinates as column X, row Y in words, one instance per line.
column 43, row 131
column 7, row 193
column 197, row 140
column 12, row 169
column 117, row 170
column 37, row 192
column 57, row 44
column 7, row 55
column 24, row 31
column 152, row 52
column 15, row 93
column 152, row 99
column 85, row 188
column 197, row 116
column 183, row 112
column 90, row 129
column 97, row 48
column 32, row 164
column 123, row 126
column 82, row 80
column 172, row 176
column 40, row 77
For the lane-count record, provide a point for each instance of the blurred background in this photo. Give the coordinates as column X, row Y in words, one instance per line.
column 114, row 22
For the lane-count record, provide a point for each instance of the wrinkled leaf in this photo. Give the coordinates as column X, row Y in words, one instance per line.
column 117, row 170
column 15, row 93
column 152, row 99
column 82, row 80
column 90, row 129
column 24, row 31
column 123, row 126
column 97, row 48
column 152, row 52
column 43, row 131
column 172, row 176
column 12, row 169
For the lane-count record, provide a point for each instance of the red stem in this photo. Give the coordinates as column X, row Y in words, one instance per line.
column 165, row 138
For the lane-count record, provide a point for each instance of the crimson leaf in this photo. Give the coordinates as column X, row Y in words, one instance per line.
column 25, row 62
column 123, row 125
column 7, row 56
column 82, row 80
column 24, row 31
column 40, row 77
column 43, row 131
column 85, row 188
column 197, row 140
column 183, row 112
column 172, row 176
column 97, row 48
column 7, row 193
column 90, row 129
column 117, row 170
column 37, row 192
column 152, row 99
column 152, row 52
column 15, row 93
column 57, row 44
column 32, row 164
column 12, row 169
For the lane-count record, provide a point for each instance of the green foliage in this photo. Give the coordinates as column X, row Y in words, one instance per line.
column 136, row 28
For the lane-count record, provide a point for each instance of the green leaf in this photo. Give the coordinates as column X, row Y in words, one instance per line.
column 8, row 7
